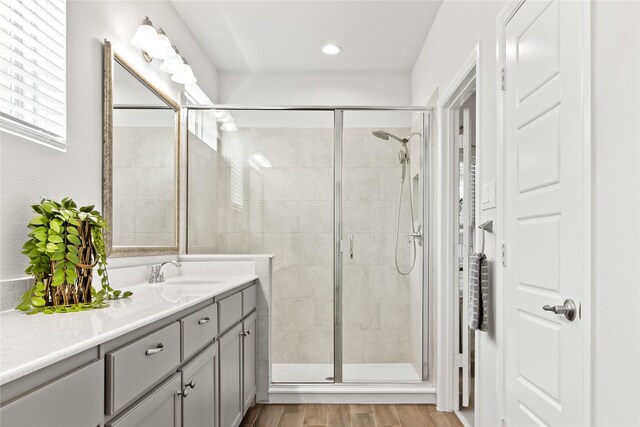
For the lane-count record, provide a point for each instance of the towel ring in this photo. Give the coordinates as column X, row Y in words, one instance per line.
column 485, row 226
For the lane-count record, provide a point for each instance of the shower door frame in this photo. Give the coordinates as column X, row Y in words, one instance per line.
column 338, row 128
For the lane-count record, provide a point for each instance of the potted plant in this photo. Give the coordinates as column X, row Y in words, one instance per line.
column 65, row 245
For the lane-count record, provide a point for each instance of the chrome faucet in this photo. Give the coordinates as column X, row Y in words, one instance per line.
column 157, row 271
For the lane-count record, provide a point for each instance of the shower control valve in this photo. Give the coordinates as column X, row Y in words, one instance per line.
column 417, row 235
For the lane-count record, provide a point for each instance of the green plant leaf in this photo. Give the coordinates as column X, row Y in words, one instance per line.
column 55, row 225
column 73, row 258
column 40, row 233
column 71, row 276
column 37, row 301
column 38, row 220
column 54, row 238
column 73, row 230
column 73, row 239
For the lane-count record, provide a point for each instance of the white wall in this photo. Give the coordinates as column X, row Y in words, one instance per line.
column 322, row 88
column 458, row 27
column 616, row 212
column 29, row 170
column 616, row 187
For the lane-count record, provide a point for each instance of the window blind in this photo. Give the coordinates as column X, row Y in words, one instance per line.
column 33, row 69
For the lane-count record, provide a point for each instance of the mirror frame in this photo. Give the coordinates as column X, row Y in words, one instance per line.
column 109, row 56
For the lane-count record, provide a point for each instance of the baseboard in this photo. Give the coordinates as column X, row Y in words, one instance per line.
column 353, row 393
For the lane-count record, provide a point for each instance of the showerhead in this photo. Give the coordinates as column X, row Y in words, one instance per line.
column 381, row 134
column 386, row 135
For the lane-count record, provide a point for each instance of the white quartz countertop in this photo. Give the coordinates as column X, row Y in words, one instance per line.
column 29, row 343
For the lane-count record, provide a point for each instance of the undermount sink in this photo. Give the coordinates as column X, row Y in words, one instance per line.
column 187, row 281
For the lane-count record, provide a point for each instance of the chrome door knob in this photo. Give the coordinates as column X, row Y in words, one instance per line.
column 568, row 309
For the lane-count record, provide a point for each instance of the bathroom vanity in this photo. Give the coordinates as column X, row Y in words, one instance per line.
column 181, row 353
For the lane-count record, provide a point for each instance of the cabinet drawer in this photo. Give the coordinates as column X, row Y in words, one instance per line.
column 75, row 399
column 229, row 311
column 249, row 299
column 199, row 329
column 136, row 366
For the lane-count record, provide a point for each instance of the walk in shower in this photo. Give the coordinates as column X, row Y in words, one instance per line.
column 337, row 195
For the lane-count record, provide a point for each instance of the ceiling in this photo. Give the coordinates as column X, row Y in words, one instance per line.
column 266, row 36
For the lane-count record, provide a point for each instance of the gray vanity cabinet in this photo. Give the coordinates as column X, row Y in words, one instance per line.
column 231, row 377
column 249, row 341
column 160, row 408
column 76, row 399
column 200, row 389
column 195, row 368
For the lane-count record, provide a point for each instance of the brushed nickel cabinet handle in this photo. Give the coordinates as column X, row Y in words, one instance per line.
column 203, row 321
column 152, row 351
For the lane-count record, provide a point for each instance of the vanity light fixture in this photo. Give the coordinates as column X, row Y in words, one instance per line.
column 173, row 65
column 184, row 75
column 144, row 36
column 229, row 126
column 155, row 44
column 331, row 49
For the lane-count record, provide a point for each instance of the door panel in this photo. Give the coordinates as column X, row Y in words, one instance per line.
column 230, row 373
column 544, row 213
column 249, row 362
column 200, row 379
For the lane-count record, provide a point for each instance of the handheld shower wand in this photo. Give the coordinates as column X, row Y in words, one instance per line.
column 405, row 159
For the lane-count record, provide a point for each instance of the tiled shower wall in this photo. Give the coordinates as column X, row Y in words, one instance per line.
column 203, row 197
column 275, row 192
column 144, row 169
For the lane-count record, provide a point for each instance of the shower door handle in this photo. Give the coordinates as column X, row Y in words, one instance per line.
column 350, row 246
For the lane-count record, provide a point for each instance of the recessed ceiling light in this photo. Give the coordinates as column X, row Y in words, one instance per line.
column 331, row 49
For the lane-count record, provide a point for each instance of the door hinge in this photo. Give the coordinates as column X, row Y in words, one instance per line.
column 504, row 255
column 458, row 361
column 503, row 79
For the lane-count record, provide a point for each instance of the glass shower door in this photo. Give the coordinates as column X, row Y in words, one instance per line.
column 264, row 185
column 382, row 282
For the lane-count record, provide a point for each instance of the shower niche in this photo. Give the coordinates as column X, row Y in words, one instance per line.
column 337, row 195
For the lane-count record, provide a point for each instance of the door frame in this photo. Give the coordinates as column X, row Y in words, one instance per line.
column 503, row 18
column 447, row 335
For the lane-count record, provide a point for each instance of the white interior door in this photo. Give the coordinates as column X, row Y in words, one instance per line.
column 545, row 214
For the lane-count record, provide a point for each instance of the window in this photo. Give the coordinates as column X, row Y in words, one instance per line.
column 33, row 70
column 202, row 123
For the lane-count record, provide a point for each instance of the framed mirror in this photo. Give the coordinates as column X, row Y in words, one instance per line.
column 141, row 158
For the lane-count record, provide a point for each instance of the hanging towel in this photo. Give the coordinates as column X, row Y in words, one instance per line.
column 475, row 298
column 478, row 292
column 484, row 290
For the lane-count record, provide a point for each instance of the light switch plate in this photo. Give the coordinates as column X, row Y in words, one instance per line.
column 489, row 196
